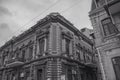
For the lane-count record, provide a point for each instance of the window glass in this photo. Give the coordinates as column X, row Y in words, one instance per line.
column 69, row 74
column 41, row 45
column 67, row 46
column 23, row 54
column 39, row 74
column 108, row 27
column 116, row 65
column 30, row 52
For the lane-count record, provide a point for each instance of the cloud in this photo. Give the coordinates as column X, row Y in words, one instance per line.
column 5, row 32
column 4, row 11
column 15, row 13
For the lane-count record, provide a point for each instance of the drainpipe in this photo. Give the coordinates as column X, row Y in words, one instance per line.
column 101, row 65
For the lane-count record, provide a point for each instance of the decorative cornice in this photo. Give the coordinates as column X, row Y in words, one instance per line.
column 67, row 33
column 95, row 11
column 47, row 57
column 113, row 2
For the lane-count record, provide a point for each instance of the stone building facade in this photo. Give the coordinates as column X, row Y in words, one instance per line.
column 105, row 19
column 87, row 32
column 53, row 49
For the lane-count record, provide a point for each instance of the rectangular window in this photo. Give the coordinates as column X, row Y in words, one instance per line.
column 13, row 76
column 8, row 76
column 27, row 75
column 116, row 65
column 30, row 52
column 72, row 74
column 81, row 54
column 1, row 76
column 39, row 74
column 23, row 55
column 67, row 46
column 78, row 54
column 69, row 72
column 84, row 54
column 108, row 27
column 41, row 45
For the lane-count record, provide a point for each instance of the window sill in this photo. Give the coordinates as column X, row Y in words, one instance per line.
column 105, row 38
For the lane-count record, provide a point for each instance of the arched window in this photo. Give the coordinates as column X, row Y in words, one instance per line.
column 116, row 65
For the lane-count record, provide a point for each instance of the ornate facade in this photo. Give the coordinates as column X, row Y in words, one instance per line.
column 53, row 49
column 105, row 19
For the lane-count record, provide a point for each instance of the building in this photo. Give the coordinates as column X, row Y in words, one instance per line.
column 90, row 34
column 105, row 19
column 53, row 49
column 87, row 32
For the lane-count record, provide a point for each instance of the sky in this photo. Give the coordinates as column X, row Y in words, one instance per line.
column 16, row 16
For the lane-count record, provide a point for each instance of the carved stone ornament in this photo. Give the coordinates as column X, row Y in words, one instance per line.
column 39, row 31
column 30, row 42
column 67, row 34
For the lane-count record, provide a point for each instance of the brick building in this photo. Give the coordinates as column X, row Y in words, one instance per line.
column 105, row 18
column 53, row 49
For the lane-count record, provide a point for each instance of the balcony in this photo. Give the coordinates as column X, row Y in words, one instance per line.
column 15, row 62
column 91, row 64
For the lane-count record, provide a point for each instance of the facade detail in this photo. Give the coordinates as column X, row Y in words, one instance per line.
column 88, row 32
column 105, row 19
column 53, row 49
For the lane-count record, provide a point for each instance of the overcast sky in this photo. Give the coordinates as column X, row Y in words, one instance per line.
column 15, row 14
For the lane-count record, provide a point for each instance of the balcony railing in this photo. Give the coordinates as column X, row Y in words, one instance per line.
column 90, row 64
column 15, row 61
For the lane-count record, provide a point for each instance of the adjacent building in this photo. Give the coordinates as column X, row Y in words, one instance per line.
column 53, row 49
column 87, row 32
column 105, row 19
column 90, row 34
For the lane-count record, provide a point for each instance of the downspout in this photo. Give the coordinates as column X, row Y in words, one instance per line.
column 101, row 65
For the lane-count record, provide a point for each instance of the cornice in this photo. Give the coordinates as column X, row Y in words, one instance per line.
column 43, row 59
column 95, row 11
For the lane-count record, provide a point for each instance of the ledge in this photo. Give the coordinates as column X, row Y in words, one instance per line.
column 47, row 57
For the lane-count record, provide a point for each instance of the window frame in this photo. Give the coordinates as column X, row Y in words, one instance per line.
column 109, row 30
column 67, row 46
column 114, row 66
column 31, row 52
column 43, row 39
